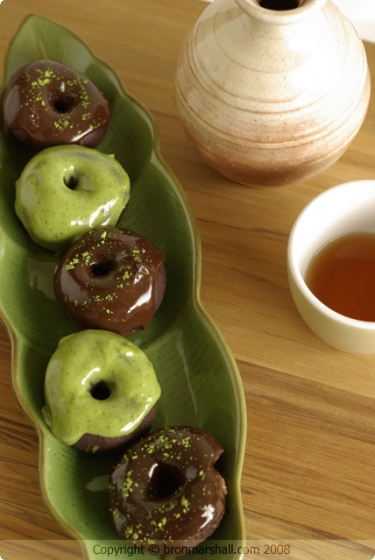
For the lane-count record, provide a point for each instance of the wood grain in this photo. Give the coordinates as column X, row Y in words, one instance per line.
column 308, row 478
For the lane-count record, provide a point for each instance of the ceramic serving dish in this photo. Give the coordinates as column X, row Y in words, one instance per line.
column 200, row 382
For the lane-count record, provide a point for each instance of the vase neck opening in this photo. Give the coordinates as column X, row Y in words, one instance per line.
column 279, row 5
column 281, row 11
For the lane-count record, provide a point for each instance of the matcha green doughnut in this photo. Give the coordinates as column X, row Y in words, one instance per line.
column 99, row 383
column 65, row 191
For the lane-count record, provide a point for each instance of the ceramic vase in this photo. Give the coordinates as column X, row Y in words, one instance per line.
column 272, row 95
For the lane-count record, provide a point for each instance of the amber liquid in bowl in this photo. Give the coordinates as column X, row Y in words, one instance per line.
column 342, row 275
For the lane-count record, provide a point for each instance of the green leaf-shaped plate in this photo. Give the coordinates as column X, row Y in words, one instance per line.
column 201, row 385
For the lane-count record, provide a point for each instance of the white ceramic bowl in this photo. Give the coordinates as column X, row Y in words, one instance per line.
column 343, row 209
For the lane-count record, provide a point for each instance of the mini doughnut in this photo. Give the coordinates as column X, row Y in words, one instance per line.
column 100, row 391
column 112, row 279
column 48, row 103
column 65, row 191
column 166, row 489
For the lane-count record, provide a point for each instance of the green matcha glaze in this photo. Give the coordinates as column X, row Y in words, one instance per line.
column 82, row 361
column 65, row 191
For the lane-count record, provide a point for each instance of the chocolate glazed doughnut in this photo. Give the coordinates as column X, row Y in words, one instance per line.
column 166, row 489
column 48, row 103
column 112, row 279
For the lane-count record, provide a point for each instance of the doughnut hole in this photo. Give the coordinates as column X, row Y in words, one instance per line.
column 62, row 102
column 164, row 481
column 100, row 391
column 71, row 181
column 103, row 267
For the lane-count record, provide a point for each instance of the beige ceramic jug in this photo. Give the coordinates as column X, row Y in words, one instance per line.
column 272, row 91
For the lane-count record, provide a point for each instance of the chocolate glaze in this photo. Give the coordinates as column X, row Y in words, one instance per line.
column 47, row 104
column 111, row 279
column 90, row 443
column 166, row 489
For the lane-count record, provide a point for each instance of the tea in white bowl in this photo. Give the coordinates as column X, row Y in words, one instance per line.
column 342, row 275
column 344, row 210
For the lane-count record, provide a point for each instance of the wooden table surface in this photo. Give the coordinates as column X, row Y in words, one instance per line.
column 309, row 473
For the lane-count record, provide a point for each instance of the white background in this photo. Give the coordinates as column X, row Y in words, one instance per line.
column 360, row 12
column 362, row 15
